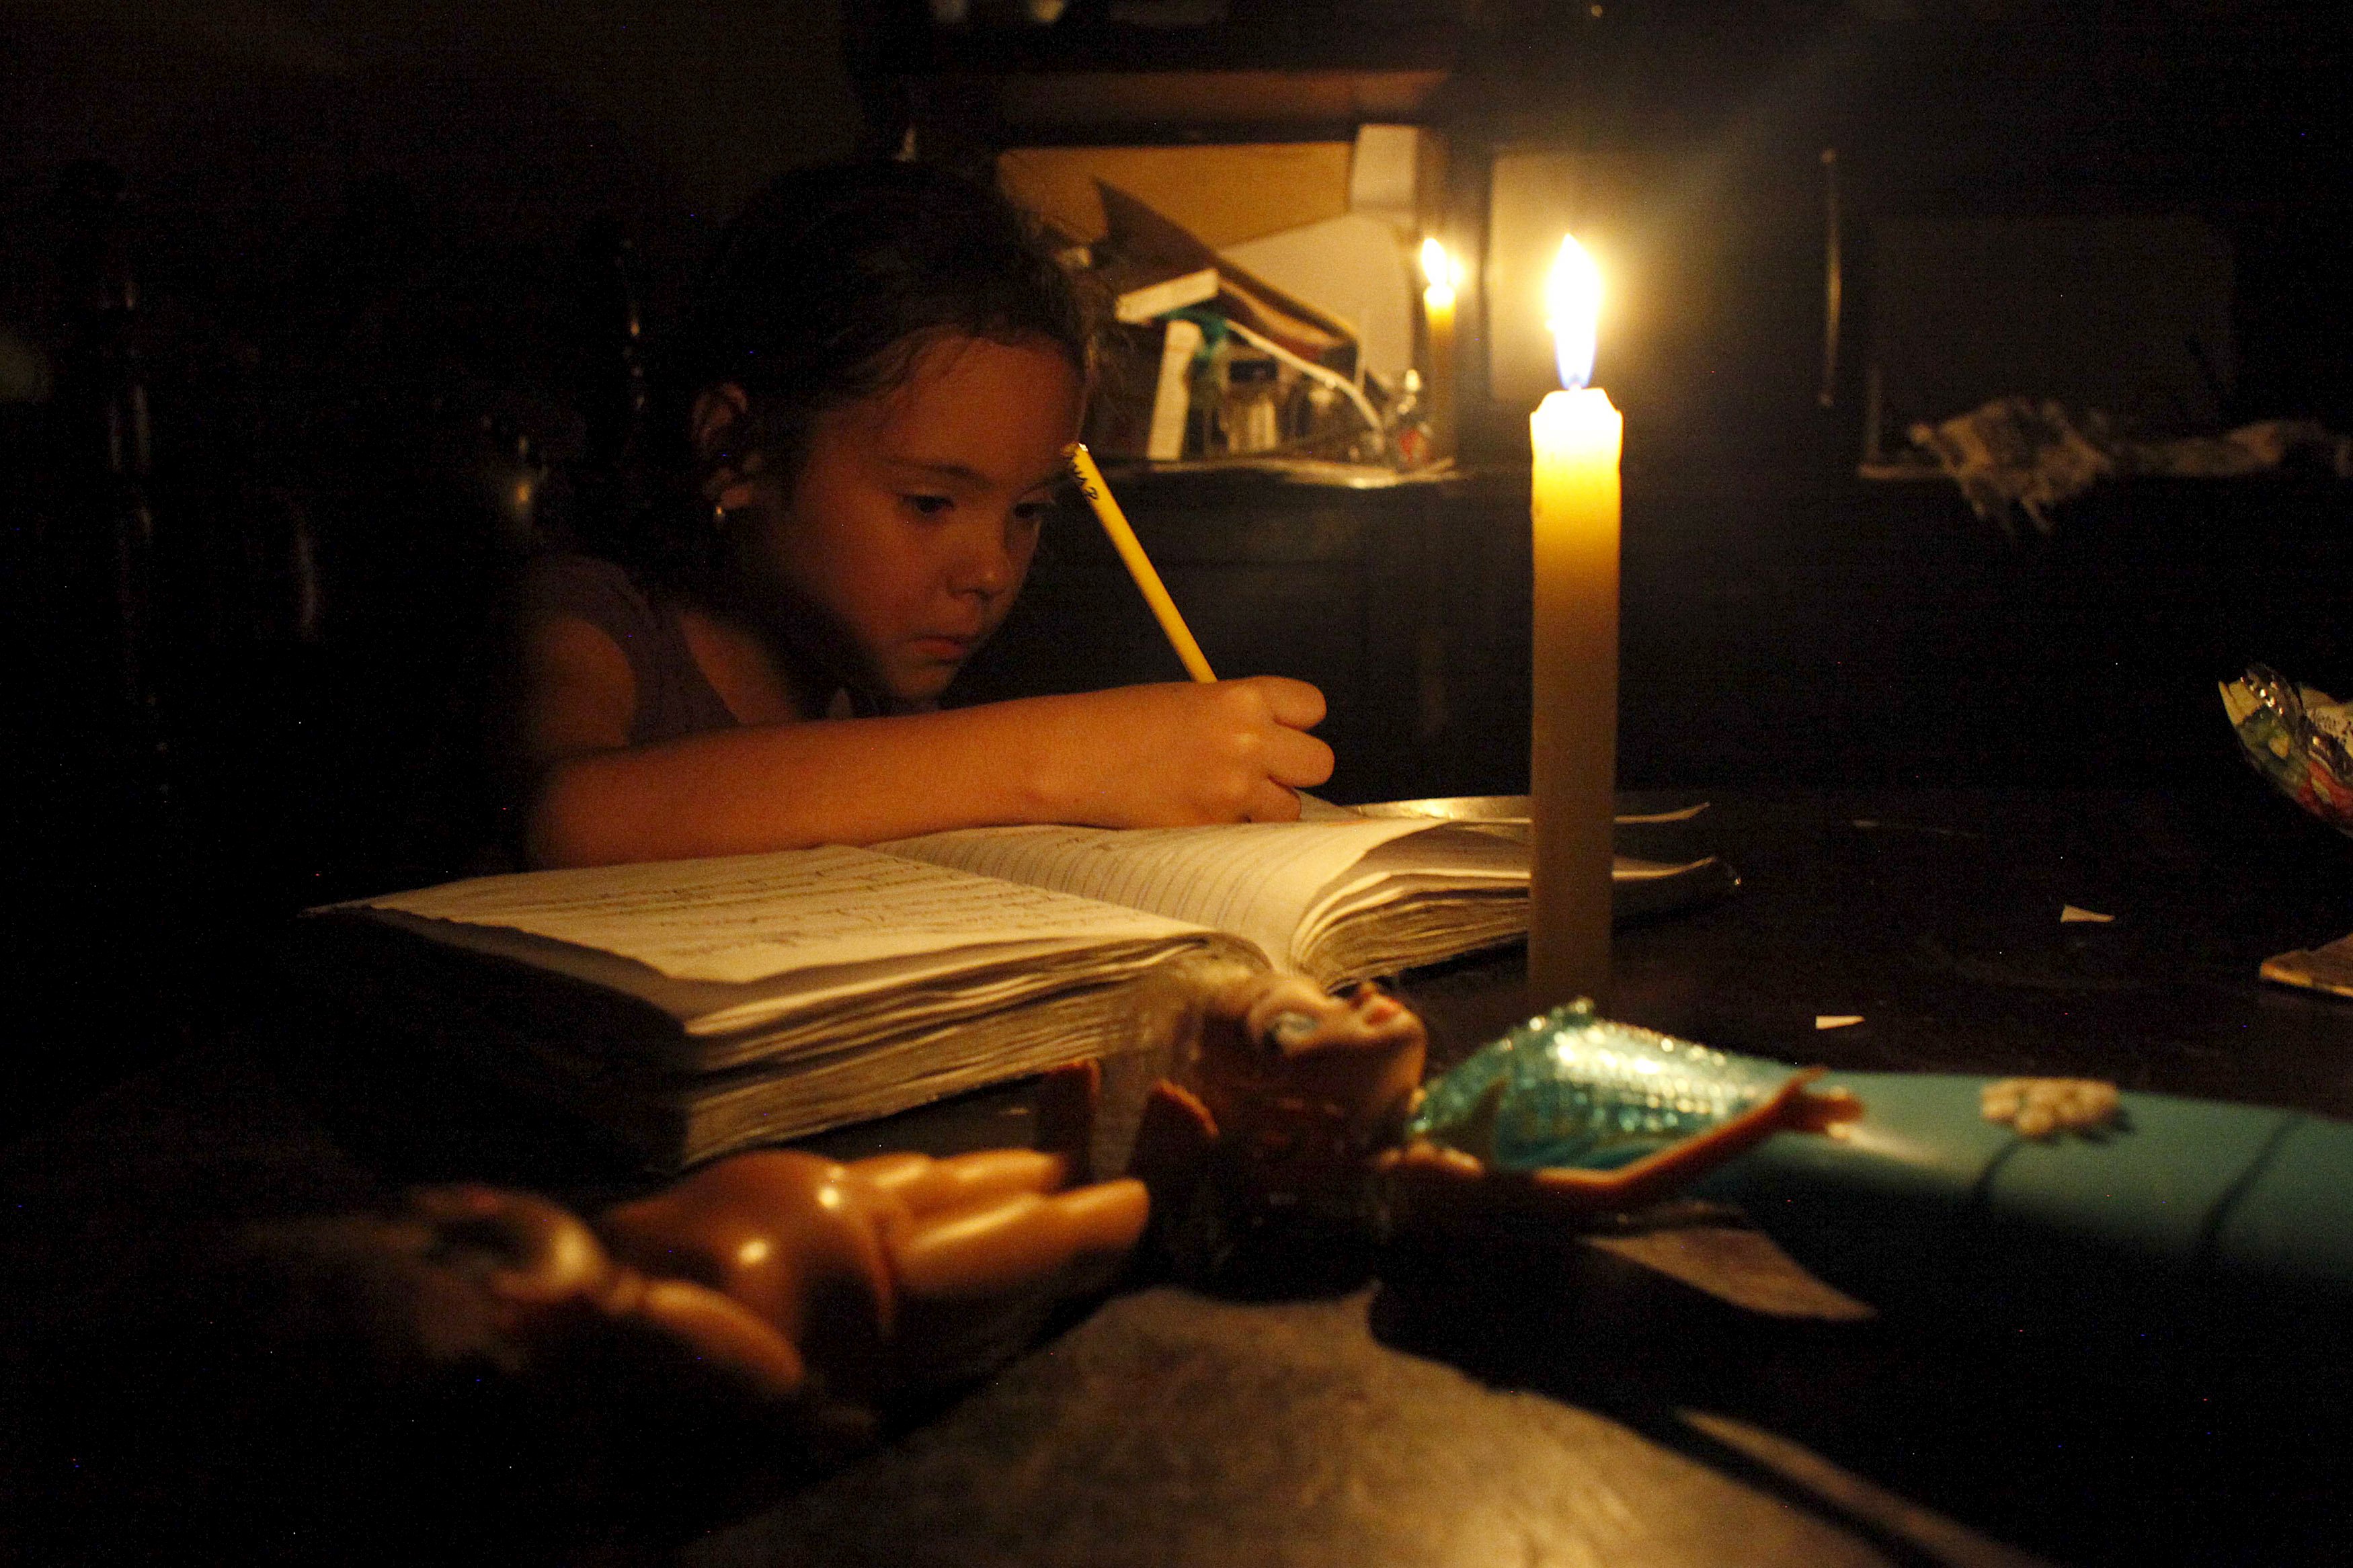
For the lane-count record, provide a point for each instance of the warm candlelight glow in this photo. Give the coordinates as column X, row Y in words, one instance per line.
column 1572, row 306
column 1575, row 436
column 1442, row 273
column 1443, row 276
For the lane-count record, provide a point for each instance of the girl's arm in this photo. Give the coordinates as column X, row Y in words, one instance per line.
column 1138, row 756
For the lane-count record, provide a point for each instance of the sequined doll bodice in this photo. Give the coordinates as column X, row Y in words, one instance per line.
column 1570, row 1088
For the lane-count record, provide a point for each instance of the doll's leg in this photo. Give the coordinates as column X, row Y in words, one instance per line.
column 721, row 1329
column 1019, row 1242
column 929, row 1186
column 977, row 1284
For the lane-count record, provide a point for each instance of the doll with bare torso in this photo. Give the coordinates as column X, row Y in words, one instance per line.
column 482, row 1374
column 839, row 1285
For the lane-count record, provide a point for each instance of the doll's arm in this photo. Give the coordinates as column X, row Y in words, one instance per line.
column 997, row 1223
column 1172, row 1145
column 1064, row 1106
column 1431, row 1183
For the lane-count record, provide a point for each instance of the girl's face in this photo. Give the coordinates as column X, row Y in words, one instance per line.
column 913, row 519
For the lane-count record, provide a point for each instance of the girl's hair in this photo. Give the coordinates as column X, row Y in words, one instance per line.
column 827, row 287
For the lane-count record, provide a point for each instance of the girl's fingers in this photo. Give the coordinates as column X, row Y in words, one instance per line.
column 1270, row 801
column 1293, row 703
column 1298, row 759
column 1178, row 754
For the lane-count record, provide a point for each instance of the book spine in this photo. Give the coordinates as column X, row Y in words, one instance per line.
column 1141, row 305
column 1174, row 398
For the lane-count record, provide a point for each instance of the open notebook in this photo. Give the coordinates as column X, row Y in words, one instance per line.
column 693, row 1007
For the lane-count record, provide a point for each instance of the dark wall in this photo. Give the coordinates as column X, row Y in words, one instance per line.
column 361, row 315
column 1945, row 114
column 505, row 118
column 292, row 168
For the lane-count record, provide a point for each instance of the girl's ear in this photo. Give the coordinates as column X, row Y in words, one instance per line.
column 717, row 420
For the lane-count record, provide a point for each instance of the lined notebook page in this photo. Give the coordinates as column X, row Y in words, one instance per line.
column 1257, row 880
column 751, row 917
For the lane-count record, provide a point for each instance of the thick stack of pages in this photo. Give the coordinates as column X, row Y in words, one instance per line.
column 695, row 1007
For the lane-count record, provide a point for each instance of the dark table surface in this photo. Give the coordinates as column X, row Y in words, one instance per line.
column 1683, row 1396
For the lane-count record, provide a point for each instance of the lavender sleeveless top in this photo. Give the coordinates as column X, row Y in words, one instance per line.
column 674, row 698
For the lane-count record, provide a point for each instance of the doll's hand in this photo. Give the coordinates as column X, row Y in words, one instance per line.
column 1180, row 754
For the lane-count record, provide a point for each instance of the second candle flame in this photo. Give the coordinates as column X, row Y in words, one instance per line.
column 1442, row 272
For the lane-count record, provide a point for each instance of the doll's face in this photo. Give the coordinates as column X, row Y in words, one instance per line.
column 1282, row 1038
column 912, row 517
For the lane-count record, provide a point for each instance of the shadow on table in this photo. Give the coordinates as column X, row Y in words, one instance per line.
column 2190, row 1430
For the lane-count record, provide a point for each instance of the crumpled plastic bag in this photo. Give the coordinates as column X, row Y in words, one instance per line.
column 2032, row 455
column 2298, row 737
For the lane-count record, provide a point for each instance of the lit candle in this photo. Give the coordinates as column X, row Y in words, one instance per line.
column 1442, row 275
column 1573, row 738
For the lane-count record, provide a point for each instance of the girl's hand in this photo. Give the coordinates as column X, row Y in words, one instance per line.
column 1181, row 754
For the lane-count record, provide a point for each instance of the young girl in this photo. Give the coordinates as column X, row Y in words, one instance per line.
column 878, row 388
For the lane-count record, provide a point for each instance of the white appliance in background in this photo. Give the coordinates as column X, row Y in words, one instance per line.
column 1355, row 265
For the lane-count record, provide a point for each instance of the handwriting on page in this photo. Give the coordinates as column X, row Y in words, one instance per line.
column 1255, row 879
column 754, row 916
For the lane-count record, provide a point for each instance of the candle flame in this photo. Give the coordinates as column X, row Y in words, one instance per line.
column 1572, row 301
column 1442, row 272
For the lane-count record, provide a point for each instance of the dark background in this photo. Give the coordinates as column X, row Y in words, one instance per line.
column 378, row 263
column 361, row 244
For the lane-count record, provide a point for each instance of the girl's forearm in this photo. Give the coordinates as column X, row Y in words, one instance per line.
column 854, row 781
column 1138, row 756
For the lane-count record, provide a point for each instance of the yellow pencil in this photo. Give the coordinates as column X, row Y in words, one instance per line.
column 1139, row 565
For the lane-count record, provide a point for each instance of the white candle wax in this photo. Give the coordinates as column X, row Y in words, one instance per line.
column 1573, row 737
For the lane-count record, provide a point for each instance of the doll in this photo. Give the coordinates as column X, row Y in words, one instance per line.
column 842, row 1285
column 2048, row 1200
column 1296, row 1114
column 479, row 1373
